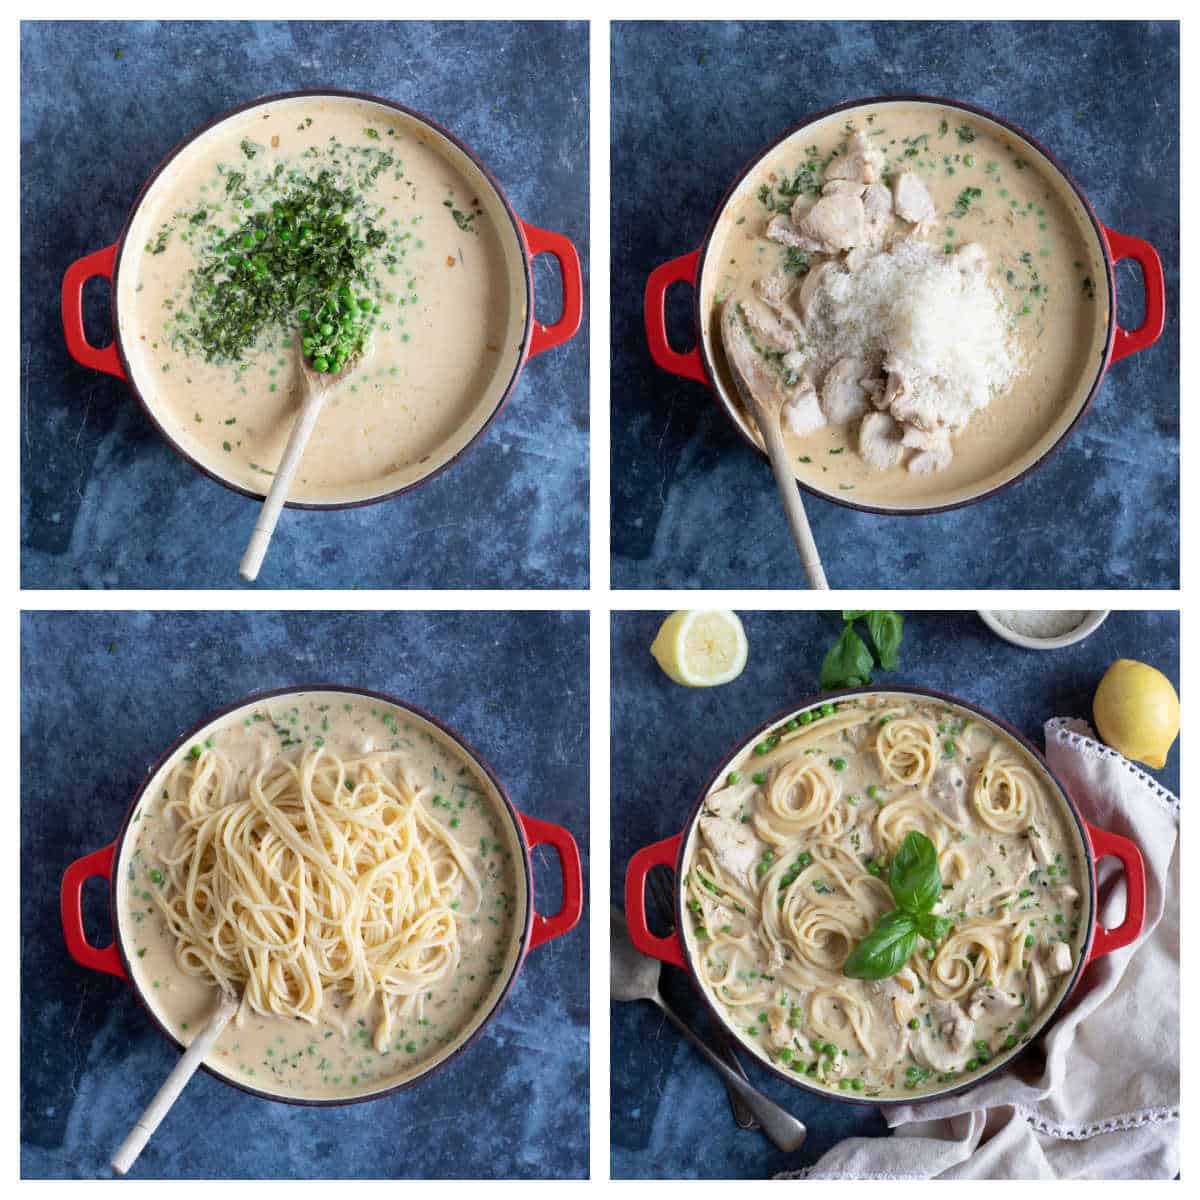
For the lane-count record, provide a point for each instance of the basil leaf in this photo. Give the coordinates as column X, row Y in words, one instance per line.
column 852, row 614
column 886, row 629
column 914, row 877
column 848, row 663
column 932, row 928
column 885, row 950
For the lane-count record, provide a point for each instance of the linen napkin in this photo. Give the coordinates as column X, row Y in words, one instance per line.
column 1099, row 1098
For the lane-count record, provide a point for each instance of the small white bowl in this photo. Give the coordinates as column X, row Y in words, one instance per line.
column 1090, row 623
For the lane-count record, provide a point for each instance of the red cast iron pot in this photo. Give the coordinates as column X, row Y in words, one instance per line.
column 1096, row 844
column 697, row 363
column 532, row 930
column 106, row 264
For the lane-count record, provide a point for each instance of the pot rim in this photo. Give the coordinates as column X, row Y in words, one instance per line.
column 1097, row 230
column 522, row 942
column 414, row 114
column 999, row 1062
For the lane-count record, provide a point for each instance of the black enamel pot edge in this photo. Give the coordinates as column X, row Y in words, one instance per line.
column 522, row 946
column 1000, row 1062
column 1097, row 230
column 413, row 114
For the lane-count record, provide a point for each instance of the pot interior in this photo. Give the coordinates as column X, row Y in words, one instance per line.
column 334, row 1059
column 451, row 286
column 1045, row 258
column 844, row 811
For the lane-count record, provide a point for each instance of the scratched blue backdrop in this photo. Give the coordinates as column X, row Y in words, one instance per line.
column 692, row 506
column 102, row 696
column 104, row 501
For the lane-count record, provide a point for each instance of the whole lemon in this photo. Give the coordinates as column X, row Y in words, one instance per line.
column 1137, row 711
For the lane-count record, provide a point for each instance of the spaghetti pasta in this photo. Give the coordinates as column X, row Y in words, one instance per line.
column 313, row 875
column 788, row 874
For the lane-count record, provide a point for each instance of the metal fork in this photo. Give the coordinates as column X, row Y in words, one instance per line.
column 662, row 907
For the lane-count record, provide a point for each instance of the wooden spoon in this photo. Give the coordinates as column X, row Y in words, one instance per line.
column 185, row 1068
column 764, row 403
column 314, row 386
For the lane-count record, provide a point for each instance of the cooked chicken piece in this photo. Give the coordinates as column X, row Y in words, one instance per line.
column 879, row 440
column 900, row 996
column 811, row 287
column 1064, row 893
column 934, row 450
column 769, row 328
column 781, row 230
column 948, row 784
column 1043, row 852
column 835, row 223
column 775, row 288
column 971, row 256
column 732, row 802
column 907, row 406
column 843, row 398
column 780, row 1032
column 843, row 187
column 873, row 385
column 734, row 846
column 862, row 161
column 801, row 413
column 945, row 1043
column 877, row 208
column 801, row 207
column 1039, row 986
column 912, row 200
column 757, row 376
column 1058, row 958
column 988, row 999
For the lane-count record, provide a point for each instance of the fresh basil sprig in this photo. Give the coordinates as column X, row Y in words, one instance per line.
column 849, row 662
column 916, row 884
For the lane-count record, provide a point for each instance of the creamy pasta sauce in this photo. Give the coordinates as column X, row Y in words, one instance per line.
column 450, row 316
column 787, row 873
column 335, row 1058
column 988, row 189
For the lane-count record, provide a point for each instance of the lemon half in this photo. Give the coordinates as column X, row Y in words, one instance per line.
column 701, row 647
column 1137, row 711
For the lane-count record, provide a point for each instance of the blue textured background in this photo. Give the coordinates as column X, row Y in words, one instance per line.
column 102, row 696
column 670, row 1115
column 105, row 501
column 692, row 505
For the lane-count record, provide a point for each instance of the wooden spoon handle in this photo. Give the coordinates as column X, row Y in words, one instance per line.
column 185, row 1068
column 260, row 539
column 793, row 506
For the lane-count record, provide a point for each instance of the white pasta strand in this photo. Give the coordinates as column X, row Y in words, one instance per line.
column 313, row 876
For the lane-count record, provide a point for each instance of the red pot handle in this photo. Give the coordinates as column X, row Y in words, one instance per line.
column 1122, row 246
column 543, row 833
column 100, row 264
column 678, row 270
column 661, row 854
column 98, row 864
column 1106, row 845
column 542, row 241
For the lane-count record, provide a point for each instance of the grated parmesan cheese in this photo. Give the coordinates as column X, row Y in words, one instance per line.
column 934, row 319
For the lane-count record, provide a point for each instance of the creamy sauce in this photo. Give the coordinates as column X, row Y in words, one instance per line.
column 448, row 284
column 335, row 1058
column 1043, row 257
column 786, row 874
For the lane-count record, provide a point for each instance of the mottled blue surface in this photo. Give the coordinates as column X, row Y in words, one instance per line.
column 692, row 505
column 105, row 501
column 670, row 1116
column 102, row 696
